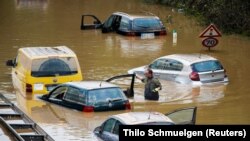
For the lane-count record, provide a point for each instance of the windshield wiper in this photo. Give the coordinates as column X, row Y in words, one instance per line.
column 114, row 99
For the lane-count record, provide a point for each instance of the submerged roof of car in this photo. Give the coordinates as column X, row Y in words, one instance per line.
column 89, row 85
column 133, row 118
column 136, row 15
column 43, row 52
column 190, row 58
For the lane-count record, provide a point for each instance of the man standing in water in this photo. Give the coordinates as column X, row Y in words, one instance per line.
column 152, row 85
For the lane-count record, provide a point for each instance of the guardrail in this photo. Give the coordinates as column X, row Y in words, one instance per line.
column 18, row 125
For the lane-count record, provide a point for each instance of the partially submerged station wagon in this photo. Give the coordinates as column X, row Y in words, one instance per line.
column 109, row 129
column 145, row 25
column 89, row 96
column 196, row 69
column 39, row 69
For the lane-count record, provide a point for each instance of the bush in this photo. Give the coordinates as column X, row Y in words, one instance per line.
column 231, row 16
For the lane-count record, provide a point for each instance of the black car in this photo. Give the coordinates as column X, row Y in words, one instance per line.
column 89, row 96
column 145, row 25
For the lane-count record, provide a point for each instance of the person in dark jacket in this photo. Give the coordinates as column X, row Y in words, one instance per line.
column 152, row 85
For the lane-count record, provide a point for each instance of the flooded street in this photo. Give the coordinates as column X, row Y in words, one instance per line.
column 33, row 23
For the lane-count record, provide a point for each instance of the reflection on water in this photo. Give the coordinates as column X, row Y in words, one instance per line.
column 135, row 47
column 175, row 93
column 32, row 4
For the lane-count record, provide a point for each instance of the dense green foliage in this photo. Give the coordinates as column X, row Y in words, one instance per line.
column 231, row 16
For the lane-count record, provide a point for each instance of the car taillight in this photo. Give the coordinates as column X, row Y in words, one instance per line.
column 194, row 76
column 127, row 106
column 225, row 73
column 131, row 34
column 88, row 109
column 28, row 87
column 162, row 33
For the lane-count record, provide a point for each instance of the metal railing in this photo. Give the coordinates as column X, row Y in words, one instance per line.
column 18, row 124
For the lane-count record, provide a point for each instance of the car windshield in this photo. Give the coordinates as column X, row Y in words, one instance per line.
column 146, row 23
column 105, row 95
column 53, row 66
column 204, row 66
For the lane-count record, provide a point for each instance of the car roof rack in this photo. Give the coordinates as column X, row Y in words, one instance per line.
column 18, row 125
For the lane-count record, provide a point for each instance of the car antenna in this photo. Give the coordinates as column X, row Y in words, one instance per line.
column 100, row 85
column 149, row 115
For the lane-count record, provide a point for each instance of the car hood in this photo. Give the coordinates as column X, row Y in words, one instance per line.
column 136, row 70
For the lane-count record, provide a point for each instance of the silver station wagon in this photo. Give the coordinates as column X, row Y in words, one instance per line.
column 109, row 129
column 196, row 69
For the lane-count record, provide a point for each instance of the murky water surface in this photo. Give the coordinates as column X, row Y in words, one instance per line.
column 26, row 23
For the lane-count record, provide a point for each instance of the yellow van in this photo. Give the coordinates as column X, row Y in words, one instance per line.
column 39, row 69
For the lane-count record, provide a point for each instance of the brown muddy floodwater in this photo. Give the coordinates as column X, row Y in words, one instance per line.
column 26, row 23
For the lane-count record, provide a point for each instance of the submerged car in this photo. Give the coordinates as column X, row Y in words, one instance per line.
column 145, row 25
column 39, row 69
column 109, row 130
column 90, row 96
column 194, row 69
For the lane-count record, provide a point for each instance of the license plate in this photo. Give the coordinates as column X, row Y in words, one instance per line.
column 147, row 36
column 38, row 86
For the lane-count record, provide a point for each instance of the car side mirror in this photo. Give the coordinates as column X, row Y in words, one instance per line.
column 10, row 63
column 97, row 22
column 98, row 130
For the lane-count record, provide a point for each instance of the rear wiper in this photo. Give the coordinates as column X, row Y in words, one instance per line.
column 114, row 99
column 142, row 26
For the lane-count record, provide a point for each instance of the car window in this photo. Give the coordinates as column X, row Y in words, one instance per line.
column 174, row 65
column 116, row 127
column 183, row 116
column 58, row 93
column 116, row 22
column 157, row 64
column 100, row 95
column 142, row 23
column 124, row 25
column 167, row 64
column 207, row 66
column 109, row 125
column 53, row 66
column 109, row 22
column 75, row 95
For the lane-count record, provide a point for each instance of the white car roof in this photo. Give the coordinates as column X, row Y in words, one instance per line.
column 89, row 85
column 44, row 52
column 133, row 118
column 136, row 15
column 189, row 58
